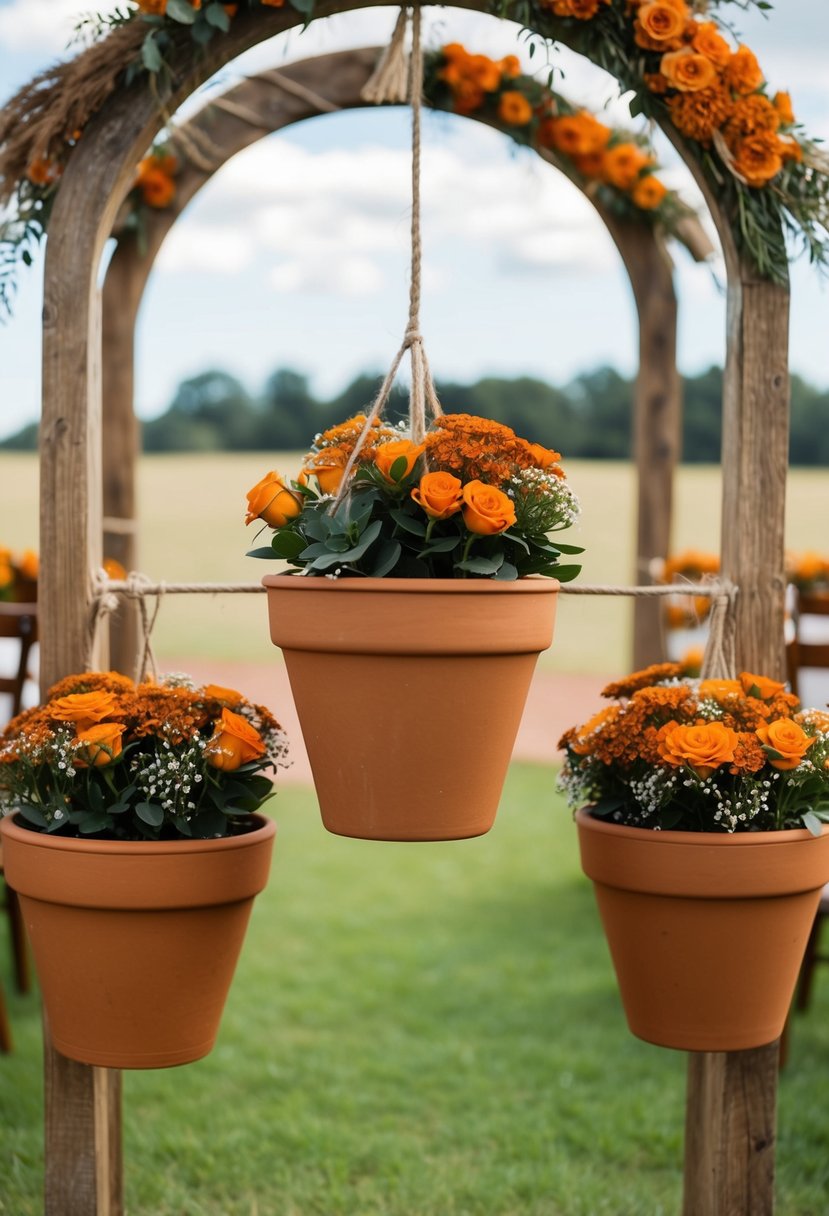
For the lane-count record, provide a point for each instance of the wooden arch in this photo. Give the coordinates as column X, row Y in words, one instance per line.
column 731, row 1107
column 270, row 101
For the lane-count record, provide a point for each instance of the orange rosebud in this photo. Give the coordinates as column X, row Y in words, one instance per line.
column 649, row 192
column 271, row 501
column 82, row 708
column 782, row 103
column 98, row 745
column 719, row 690
column 328, row 467
column 514, row 109
column 487, row 510
column 788, row 739
column 386, row 456
column 234, row 742
column 439, row 494
column 687, row 70
column 766, row 688
column 703, row 748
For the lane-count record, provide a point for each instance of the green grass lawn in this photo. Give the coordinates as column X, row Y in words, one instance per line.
column 419, row 1030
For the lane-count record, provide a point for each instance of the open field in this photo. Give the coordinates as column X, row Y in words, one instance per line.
column 192, row 510
column 419, row 1030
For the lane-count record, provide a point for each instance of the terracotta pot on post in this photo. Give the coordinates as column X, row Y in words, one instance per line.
column 706, row 930
column 410, row 693
column 135, row 942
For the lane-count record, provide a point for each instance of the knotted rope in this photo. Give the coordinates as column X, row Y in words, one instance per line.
column 384, row 85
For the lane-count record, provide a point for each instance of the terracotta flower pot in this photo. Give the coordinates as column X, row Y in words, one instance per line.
column 135, row 943
column 409, row 693
column 706, row 931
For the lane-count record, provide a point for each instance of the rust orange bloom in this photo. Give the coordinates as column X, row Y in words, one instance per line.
column 271, row 501
column 487, row 510
column 387, row 455
column 514, row 109
column 623, row 163
column 688, row 71
column 788, row 739
column 660, row 26
column 703, row 748
column 439, row 494
column 98, row 745
column 649, row 192
column 234, row 742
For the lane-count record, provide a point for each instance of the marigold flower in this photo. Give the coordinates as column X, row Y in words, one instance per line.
column 510, row 66
column 578, row 134
column 28, row 565
column 699, row 115
column 623, row 163
column 581, row 10
column 750, row 115
column 157, row 187
column 649, row 192
column 757, row 158
column 114, row 569
column 43, row 171
column 514, row 109
column 782, row 103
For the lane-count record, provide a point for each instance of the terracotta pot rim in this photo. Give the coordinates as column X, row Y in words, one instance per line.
column 10, row 827
column 694, row 839
column 436, row 586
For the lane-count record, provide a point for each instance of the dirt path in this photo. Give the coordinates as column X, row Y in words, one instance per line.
column 556, row 701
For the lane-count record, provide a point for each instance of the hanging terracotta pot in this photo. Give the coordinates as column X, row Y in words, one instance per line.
column 706, row 930
column 409, row 694
column 135, row 943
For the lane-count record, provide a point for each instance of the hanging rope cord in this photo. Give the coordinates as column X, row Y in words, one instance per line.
column 395, row 81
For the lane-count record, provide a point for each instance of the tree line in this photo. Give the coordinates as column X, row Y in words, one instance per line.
column 589, row 418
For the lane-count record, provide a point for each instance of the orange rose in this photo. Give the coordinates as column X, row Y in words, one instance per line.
column 514, row 109
column 439, row 494
column 98, row 745
column 271, row 501
column 766, row 688
column 545, row 458
column 648, row 192
column 328, row 468
column 234, row 742
column 688, row 71
column 660, row 26
column 742, row 72
column 782, row 103
column 487, row 510
column 709, row 42
column 82, row 708
column 228, row 696
column 622, row 165
column 786, row 738
column 386, row 456
column 703, row 748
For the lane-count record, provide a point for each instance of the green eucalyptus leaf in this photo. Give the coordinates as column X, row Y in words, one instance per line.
column 408, row 522
column 569, row 549
column 33, row 814
column 216, row 16
column 94, row 823
column 386, row 557
column 150, row 54
column 150, row 813
column 813, row 823
column 507, row 573
column 288, row 544
column 480, row 565
column 565, row 574
column 317, row 525
column 181, row 11
column 443, row 544
column 202, row 33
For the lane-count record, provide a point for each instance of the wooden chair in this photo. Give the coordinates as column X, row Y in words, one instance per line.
column 799, row 653
column 18, row 620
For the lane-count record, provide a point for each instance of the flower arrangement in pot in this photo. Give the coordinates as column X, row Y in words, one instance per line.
column 701, row 823
column 133, row 837
column 423, row 589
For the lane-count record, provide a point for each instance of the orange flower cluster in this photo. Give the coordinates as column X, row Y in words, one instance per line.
column 581, row 10
column 475, row 449
column 808, row 571
column 594, row 150
column 713, row 92
column 332, row 450
column 713, row 755
column 692, row 565
column 158, row 747
column 18, row 574
column 154, row 179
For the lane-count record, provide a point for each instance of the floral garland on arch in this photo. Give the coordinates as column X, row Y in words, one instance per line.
column 685, row 64
column 612, row 164
column 679, row 57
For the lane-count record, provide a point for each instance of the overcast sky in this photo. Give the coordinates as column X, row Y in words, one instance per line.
column 296, row 253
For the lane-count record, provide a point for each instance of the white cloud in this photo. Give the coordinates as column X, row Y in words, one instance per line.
column 346, row 275
column 206, row 249
column 43, row 25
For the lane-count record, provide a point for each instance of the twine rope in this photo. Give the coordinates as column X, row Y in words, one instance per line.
column 423, row 392
column 296, row 90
